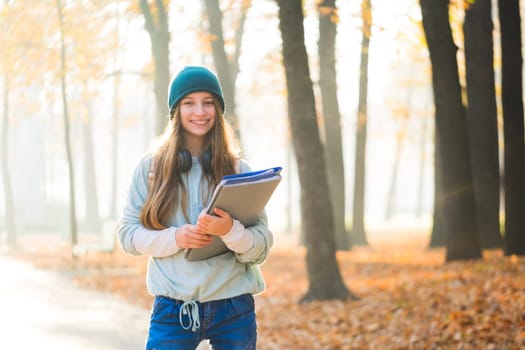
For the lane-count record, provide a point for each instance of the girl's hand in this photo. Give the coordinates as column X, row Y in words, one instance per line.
column 190, row 236
column 217, row 225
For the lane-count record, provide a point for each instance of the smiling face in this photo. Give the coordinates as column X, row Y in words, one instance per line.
column 197, row 116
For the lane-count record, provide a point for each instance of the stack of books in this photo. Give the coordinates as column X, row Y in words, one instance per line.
column 244, row 197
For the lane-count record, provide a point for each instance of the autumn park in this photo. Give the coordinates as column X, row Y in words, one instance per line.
column 398, row 221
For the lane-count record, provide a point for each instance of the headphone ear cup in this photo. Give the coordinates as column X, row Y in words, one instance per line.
column 184, row 160
column 206, row 161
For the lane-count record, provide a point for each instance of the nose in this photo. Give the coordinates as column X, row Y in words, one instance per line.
column 199, row 108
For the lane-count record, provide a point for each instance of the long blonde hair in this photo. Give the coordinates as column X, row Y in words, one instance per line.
column 166, row 186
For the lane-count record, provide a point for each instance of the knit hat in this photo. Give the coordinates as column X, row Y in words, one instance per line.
column 192, row 79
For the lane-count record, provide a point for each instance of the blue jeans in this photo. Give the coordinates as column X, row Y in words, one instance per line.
column 229, row 324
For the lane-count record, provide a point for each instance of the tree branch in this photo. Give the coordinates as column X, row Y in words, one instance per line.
column 149, row 22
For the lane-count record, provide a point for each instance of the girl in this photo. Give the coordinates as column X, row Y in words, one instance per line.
column 194, row 300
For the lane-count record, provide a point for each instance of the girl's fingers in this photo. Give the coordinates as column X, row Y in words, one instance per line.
column 221, row 213
column 191, row 236
column 201, row 238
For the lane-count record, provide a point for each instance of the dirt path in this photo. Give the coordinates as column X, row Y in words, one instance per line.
column 43, row 310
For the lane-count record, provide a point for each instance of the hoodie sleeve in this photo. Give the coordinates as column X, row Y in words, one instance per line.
column 134, row 238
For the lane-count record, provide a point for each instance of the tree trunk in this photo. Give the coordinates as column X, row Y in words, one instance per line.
column 10, row 226
column 400, row 139
column 422, row 161
column 90, row 181
column 358, row 221
column 158, row 30
column 438, row 237
column 115, row 121
column 222, row 64
column 451, row 132
column 325, row 281
column 332, row 119
column 234, row 61
column 63, row 72
column 390, row 201
column 514, row 152
column 482, row 120
column 115, row 118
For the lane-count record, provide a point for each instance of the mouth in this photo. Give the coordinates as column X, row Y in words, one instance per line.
column 200, row 122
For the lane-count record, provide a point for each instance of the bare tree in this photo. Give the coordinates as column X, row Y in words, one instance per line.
column 438, row 237
column 400, row 139
column 10, row 226
column 226, row 69
column 332, row 119
column 156, row 23
column 325, row 280
column 63, row 73
column 513, row 124
column 358, row 217
column 118, row 63
column 92, row 222
column 482, row 120
column 462, row 240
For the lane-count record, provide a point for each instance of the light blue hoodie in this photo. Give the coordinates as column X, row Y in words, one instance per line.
column 169, row 273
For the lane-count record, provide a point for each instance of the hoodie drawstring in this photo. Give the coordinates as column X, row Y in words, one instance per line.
column 190, row 308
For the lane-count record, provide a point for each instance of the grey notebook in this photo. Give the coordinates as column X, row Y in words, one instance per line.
column 244, row 196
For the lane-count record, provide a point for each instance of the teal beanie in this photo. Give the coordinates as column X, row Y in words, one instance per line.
column 192, row 79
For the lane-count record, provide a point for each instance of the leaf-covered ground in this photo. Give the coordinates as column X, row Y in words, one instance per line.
column 408, row 297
